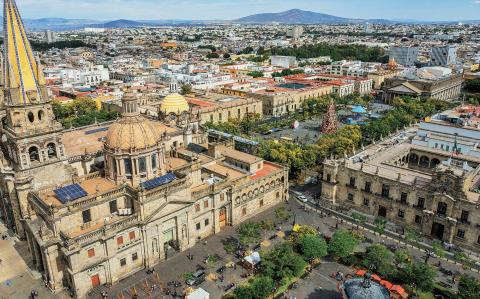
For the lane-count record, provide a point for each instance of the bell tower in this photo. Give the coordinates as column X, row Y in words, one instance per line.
column 31, row 136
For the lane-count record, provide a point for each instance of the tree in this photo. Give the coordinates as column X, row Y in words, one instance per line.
column 43, row 46
column 379, row 223
column 186, row 89
column 472, row 85
column 213, row 55
column 312, row 247
column 468, row 288
column 282, row 214
column 402, row 258
column 247, row 50
column 249, row 233
column 343, row 244
column 226, row 56
column 282, row 262
column 261, row 287
column 412, row 235
column 420, row 275
column 379, row 258
column 243, row 292
column 438, row 249
column 256, row 74
column 336, row 52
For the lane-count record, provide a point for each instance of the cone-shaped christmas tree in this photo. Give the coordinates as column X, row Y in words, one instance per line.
column 330, row 123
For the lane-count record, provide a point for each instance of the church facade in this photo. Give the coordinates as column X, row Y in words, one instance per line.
column 98, row 204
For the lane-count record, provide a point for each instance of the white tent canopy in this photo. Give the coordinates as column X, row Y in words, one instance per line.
column 198, row 294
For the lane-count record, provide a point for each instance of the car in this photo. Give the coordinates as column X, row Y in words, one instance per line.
column 197, row 278
column 221, row 269
column 302, row 198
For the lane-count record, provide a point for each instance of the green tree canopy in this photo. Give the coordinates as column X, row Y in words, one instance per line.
column 343, row 244
column 468, row 288
column 243, row 292
column 472, row 85
column 336, row 52
column 186, row 89
column 256, row 74
column 378, row 257
column 282, row 262
column 262, row 286
column 312, row 247
column 419, row 274
column 250, row 233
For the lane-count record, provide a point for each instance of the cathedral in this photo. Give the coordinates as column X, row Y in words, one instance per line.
column 98, row 204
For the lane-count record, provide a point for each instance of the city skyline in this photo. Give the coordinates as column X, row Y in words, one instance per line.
column 425, row 10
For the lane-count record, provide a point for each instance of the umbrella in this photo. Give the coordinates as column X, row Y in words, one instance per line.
column 358, row 109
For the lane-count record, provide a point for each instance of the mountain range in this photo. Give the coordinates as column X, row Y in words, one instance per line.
column 293, row 16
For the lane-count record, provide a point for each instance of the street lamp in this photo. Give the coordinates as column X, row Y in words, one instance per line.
column 428, row 255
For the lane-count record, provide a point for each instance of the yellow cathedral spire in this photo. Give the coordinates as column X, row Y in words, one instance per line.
column 23, row 75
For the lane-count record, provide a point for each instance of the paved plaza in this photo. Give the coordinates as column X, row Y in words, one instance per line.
column 17, row 278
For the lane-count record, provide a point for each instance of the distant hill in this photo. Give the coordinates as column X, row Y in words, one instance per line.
column 293, row 16
column 124, row 24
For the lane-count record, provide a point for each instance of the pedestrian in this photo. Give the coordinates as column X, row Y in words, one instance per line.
column 234, row 266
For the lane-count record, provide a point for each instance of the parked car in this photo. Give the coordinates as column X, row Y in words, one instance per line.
column 302, row 199
column 197, row 278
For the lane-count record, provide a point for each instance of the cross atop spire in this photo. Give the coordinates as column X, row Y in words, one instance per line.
column 23, row 75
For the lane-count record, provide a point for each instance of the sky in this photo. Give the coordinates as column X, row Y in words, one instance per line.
column 428, row 10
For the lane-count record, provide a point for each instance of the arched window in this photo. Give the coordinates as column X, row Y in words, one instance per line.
column 31, row 117
column 435, row 162
column 33, row 153
column 424, row 161
column 40, row 114
column 51, row 150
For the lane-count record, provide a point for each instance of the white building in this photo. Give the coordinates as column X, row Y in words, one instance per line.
column 283, row 61
column 50, row 36
column 404, row 55
column 443, row 56
column 452, row 131
column 94, row 30
column 92, row 75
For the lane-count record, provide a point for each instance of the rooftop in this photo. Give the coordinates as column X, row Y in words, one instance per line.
column 91, row 186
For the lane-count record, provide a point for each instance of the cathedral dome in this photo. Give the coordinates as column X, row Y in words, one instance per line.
column 174, row 103
column 132, row 131
column 135, row 132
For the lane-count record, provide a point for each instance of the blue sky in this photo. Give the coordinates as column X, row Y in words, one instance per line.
column 231, row 9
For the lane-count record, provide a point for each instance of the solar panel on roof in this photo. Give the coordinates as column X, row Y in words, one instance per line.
column 153, row 183
column 70, row 193
column 90, row 132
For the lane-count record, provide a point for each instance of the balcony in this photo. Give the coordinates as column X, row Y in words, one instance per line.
column 351, row 186
column 384, row 196
column 421, row 207
column 369, row 191
column 464, row 221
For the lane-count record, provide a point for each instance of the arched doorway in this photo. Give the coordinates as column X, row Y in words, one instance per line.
column 51, row 150
column 222, row 217
column 33, row 154
column 382, row 211
column 424, row 161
